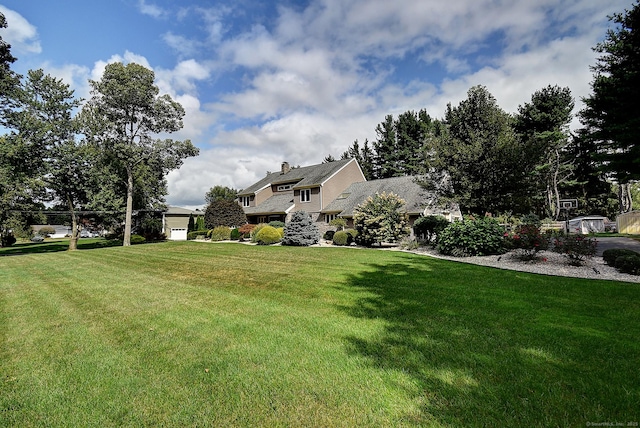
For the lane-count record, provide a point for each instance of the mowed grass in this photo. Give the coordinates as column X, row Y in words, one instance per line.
column 194, row 334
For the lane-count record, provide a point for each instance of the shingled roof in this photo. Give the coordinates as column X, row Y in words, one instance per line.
column 306, row 176
column 416, row 197
column 276, row 204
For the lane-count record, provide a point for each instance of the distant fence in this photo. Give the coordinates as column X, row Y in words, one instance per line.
column 554, row 225
column 629, row 223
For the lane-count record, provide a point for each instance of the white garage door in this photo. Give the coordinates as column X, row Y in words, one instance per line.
column 178, row 235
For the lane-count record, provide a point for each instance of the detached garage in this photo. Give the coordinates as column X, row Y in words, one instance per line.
column 175, row 222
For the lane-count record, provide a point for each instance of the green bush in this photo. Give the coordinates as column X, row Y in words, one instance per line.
column 612, row 254
column 629, row 264
column 342, row 238
column 338, row 223
column 577, row 248
column 527, row 240
column 7, row 240
column 276, row 223
column 137, row 239
column 381, row 218
column 352, row 232
column 235, row 234
column 196, row 233
column 328, row 235
column 471, row 237
column 430, row 227
column 220, row 233
column 267, row 235
column 46, row 231
column 256, row 230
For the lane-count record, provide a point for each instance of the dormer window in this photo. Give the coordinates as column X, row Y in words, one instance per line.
column 305, row 195
column 283, row 187
column 244, row 200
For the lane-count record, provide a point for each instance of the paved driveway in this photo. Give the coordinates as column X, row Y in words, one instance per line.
column 617, row 242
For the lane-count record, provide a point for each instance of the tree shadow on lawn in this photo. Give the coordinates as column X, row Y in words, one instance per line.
column 487, row 347
column 57, row 246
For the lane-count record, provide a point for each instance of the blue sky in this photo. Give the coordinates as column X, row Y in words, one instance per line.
column 273, row 81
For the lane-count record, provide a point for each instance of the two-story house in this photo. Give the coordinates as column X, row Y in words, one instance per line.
column 309, row 188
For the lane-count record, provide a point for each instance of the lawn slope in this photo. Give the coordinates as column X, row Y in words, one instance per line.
column 185, row 333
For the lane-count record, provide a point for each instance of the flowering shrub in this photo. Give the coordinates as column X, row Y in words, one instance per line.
column 577, row 248
column 472, row 237
column 381, row 218
column 527, row 240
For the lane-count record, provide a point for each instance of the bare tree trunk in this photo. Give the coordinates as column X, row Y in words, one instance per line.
column 553, row 196
column 73, row 243
column 127, row 221
column 625, row 199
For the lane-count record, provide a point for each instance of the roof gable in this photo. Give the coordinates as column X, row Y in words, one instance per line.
column 415, row 196
column 306, row 176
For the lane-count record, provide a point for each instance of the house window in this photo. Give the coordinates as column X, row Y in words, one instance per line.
column 262, row 219
column 329, row 217
column 245, row 200
column 283, row 187
column 305, row 195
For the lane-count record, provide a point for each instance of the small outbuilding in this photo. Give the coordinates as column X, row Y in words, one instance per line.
column 587, row 224
column 629, row 223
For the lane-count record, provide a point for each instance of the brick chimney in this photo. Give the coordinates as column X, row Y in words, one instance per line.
column 285, row 167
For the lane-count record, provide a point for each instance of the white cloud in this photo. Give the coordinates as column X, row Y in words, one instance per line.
column 320, row 78
column 20, row 34
column 152, row 10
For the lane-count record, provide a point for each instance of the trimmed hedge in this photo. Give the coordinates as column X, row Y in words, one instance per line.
column 612, row 254
column 342, row 238
column 629, row 264
column 193, row 235
column 267, row 235
column 235, row 234
column 137, row 239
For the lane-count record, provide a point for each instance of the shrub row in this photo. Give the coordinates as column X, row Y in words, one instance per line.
column 626, row 261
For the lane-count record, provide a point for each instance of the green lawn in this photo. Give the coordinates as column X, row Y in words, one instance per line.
column 195, row 334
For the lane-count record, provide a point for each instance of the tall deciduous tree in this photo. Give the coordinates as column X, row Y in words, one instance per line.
column 543, row 127
column 122, row 117
column 612, row 112
column 220, row 192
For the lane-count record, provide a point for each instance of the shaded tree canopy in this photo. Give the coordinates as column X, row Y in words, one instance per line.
column 121, row 120
column 220, row 192
column 223, row 212
column 612, row 112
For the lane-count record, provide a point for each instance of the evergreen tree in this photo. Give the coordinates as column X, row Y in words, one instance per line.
column 385, row 161
column 543, row 128
column 477, row 161
column 612, row 113
column 301, row 230
column 191, row 225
